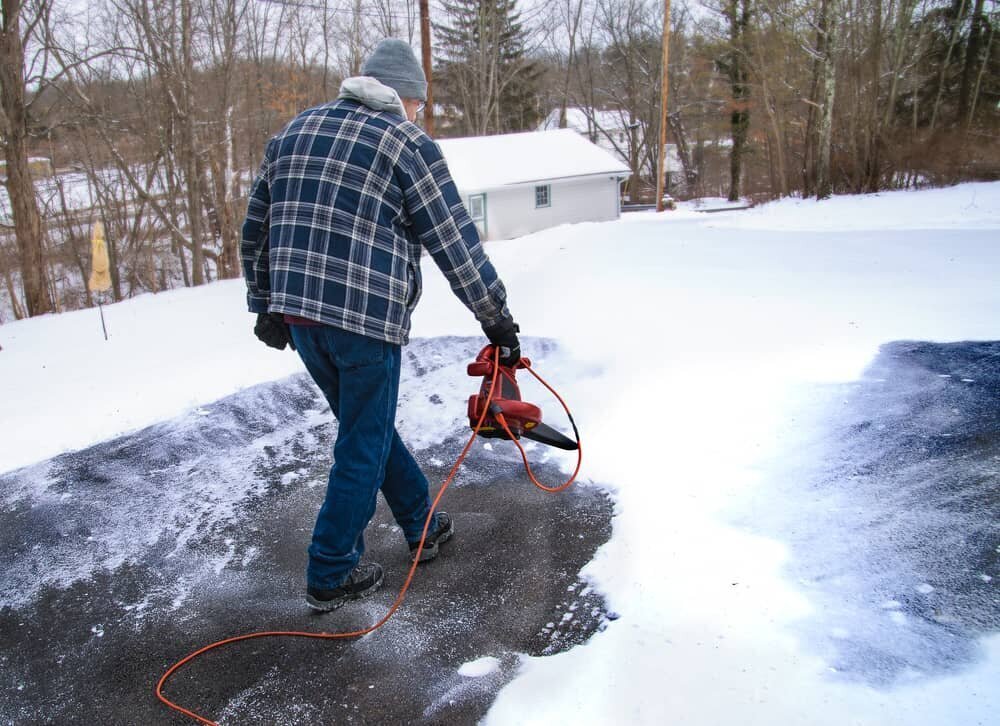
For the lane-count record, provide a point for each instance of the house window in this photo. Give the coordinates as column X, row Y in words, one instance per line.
column 477, row 205
column 477, row 211
column 543, row 196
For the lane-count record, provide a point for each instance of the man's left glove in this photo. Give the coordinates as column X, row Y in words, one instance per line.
column 504, row 336
column 272, row 330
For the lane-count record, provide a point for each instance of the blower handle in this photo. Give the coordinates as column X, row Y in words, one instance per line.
column 483, row 365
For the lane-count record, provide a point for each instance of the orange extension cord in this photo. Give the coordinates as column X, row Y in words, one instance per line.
column 416, row 559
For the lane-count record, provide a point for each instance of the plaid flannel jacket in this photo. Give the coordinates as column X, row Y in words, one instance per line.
column 345, row 200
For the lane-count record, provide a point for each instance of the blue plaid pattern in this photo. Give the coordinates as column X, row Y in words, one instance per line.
column 344, row 203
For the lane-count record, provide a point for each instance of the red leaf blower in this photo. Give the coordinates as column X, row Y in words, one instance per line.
column 522, row 418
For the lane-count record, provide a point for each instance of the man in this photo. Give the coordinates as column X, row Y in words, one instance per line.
column 347, row 197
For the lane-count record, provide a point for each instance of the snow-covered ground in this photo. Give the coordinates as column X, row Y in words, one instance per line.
column 687, row 342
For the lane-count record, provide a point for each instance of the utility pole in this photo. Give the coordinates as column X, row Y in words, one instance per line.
column 665, row 87
column 425, row 47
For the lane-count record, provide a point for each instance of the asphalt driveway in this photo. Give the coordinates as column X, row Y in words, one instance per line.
column 118, row 560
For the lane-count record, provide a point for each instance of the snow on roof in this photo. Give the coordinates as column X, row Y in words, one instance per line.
column 485, row 162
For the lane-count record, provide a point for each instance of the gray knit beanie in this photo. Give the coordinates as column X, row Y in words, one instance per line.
column 394, row 64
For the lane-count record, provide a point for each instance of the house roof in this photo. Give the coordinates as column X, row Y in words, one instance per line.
column 486, row 162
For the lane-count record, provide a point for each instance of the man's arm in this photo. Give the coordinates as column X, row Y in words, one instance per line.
column 444, row 228
column 254, row 255
column 254, row 248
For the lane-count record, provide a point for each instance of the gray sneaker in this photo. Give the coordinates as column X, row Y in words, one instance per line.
column 363, row 580
column 441, row 532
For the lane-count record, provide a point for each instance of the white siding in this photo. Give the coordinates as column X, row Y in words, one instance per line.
column 511, row 212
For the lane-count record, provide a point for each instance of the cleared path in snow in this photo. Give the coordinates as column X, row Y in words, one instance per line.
column 117, row 560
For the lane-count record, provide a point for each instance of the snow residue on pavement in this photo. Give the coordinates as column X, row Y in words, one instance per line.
column 684, row 341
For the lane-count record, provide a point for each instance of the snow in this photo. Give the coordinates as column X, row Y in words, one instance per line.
column 479, row 667
column 684, row 342
column 487, row 162
column 64, row 387
column 969, row 206
column 584, row 120
column 74, row 188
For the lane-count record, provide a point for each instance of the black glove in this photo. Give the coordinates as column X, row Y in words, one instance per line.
column 272, row 330
column 504, row 336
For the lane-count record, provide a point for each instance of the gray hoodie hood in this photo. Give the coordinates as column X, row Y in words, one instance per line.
column 372, row 93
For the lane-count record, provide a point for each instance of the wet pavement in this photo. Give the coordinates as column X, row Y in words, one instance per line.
column 118, row 560
column 890, row 504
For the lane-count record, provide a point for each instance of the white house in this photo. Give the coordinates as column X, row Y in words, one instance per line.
column 515, row 184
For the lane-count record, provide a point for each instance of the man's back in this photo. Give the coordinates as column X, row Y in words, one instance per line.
column 345, row 199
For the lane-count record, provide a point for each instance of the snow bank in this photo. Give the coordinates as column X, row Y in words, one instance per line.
column 64, row 387
column 966, row 206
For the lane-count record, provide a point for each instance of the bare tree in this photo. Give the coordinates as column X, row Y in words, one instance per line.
column 569, row 17
column 632, row 32
column 14, row 121
column 223, row 35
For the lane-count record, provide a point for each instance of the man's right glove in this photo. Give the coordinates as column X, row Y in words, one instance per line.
column 504, row 336
column 272, row 330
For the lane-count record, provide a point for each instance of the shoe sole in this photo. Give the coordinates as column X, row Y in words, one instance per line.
column 326, row 606
column 431, row 551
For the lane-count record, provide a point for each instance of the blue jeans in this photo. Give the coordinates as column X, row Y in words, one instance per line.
column 360, row 378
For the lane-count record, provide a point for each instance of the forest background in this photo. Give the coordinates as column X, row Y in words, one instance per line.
column 151, row 116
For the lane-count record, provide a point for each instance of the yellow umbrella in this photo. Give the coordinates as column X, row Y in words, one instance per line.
column 100, row 275
column 100, row 268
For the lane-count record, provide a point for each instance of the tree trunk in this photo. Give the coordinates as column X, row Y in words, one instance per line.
column 979, row 78
column 972, row 50
column 739, row 120
column 572, row 26
column 779, row 144
column 956, row 23
column 828, row 71
column 12, row 294
column 229, row 258
column 192, row 177
column 810, row 143
column 901, row 44
column 20, row 188
column 683, row 151
column 872, row 171
column 116, row 281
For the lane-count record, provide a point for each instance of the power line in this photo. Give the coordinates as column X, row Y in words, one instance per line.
column 367, row 13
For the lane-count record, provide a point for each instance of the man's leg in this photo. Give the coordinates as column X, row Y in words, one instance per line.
column 360, row 378
column 406, row 491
